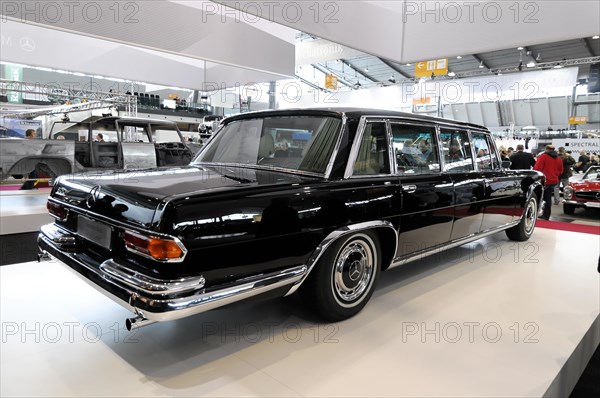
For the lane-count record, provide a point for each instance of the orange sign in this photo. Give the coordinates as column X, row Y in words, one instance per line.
column 578, row 120
column 436, row 67
column 331, row 82
column 421, row 101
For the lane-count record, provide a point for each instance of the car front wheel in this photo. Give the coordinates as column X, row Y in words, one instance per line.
column 344, row 278
column 522, row 231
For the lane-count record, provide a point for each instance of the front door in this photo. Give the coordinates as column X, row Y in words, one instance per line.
column 427, row 193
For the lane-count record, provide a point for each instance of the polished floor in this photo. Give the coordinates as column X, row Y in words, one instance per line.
column 493, row 318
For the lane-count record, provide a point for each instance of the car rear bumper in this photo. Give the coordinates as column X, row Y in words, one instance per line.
column 157, row 299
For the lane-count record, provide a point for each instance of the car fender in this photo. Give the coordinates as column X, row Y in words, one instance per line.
column 387, row 230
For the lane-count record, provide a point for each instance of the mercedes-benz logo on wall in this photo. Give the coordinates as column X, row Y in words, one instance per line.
column 92, row 196
column 27, row 44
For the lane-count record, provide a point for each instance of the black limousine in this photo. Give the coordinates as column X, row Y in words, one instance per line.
column 318, row 201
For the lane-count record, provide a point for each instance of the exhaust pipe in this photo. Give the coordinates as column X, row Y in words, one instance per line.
column 137, row 322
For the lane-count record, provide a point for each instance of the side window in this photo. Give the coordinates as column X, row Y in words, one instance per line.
column 457, row 151
column 133, row 134
column 373, row 154
column 415, row 149
column 483, row 155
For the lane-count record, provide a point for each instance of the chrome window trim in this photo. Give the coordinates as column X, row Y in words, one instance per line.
column 468, row 133
column 435, row 135
column 364, row 120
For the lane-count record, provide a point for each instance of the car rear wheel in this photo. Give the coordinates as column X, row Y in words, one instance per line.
column 522, row 231
column 568, row 209
column 344, row 278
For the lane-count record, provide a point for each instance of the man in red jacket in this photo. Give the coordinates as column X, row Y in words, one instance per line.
column 552, row 166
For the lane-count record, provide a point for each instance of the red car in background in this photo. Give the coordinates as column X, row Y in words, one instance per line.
column 583, row 193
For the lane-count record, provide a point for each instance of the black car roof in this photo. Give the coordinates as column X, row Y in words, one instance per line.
column 350, row 112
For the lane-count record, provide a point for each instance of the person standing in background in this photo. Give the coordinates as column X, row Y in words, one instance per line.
column 521, row 160
column 552, row 166
column 568, row 163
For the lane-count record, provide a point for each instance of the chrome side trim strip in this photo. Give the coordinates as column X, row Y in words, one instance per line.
column 459, row 242
column 332, row 237
column 148, row 284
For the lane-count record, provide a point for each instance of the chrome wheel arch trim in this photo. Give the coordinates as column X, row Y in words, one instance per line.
column 333, row 237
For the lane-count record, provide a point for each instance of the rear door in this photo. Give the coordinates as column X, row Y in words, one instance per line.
column 469, row 185
column 501, row 190
column 427, row 193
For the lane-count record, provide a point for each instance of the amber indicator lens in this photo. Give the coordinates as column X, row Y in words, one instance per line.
column 160, row 249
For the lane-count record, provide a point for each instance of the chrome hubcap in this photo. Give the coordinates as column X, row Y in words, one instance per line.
column 530, row 216
column 353, row 270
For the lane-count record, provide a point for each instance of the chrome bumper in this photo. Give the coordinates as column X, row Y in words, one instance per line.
column 589, row 204
column 157, row 299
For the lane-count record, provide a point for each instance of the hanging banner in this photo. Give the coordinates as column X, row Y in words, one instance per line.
column 436, row 67
column 13, row 73
column 578, row 120
column 331, row 82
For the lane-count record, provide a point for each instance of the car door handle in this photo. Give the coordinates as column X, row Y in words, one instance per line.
column 409, row 188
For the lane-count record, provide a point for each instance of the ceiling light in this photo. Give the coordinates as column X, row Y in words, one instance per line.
column 520, row 48
column 596, row 37
column 539, row 57
column 531, row 64
column 451, row 74
column 559, row 66
column 458, row 57
column 408, row 64
column 499, row 73
column 481, row 65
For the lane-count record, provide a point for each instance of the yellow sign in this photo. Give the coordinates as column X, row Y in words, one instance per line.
column 421, row 101
column 578, row 120
column 436, row 67
column 331, row 82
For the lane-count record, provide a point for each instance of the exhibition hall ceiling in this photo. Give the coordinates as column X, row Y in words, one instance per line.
column 198, row 43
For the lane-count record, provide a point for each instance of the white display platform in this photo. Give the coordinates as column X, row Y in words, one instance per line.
column 493, row 318
column 23, row 211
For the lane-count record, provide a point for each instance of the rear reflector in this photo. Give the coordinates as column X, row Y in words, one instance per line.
column 57, row 211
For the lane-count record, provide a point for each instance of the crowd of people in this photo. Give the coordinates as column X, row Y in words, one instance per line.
column 558, row 167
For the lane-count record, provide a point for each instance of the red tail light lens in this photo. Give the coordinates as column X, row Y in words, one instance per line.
column 57, row 211
column 160, row 249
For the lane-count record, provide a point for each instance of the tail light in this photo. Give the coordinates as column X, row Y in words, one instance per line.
column 57, row 211
column 154, row 247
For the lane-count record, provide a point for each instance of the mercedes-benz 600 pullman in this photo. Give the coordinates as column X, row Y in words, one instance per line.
column 319, row 201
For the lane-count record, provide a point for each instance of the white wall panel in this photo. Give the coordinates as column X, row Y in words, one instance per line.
column 490, row 114
column 474, row 112
column 522, row 113
column 559, row 110
column 540, row 113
